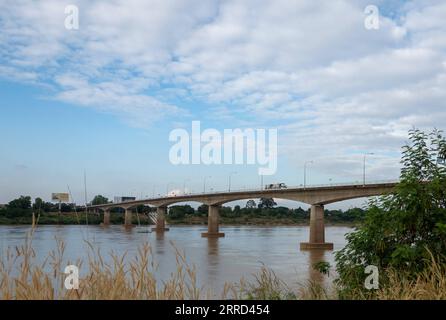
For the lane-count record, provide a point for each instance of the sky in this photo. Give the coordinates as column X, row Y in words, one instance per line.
column 103, row 98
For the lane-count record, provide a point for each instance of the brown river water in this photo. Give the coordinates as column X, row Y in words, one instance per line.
column 241, row 253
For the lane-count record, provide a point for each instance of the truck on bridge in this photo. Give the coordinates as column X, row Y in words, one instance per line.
column 275, row 186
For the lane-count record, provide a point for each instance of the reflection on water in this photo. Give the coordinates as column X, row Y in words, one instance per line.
column 316, row 256
column 218, row 260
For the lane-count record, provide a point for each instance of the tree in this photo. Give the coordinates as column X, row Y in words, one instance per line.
column 66, row 207
column 202, row 210
column 38, row 204
column 179, row 212
column 403, row 229
column 266, row 203
column 250, row 204
column 20, row 203
column 99, row 200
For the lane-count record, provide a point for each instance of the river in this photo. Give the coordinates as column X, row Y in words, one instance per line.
column 241, row 253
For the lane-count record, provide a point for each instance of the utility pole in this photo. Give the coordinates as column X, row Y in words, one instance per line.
column 363, row 167
column 204, row 183
column 86, row 201
column 184, row 186
column 305, row 172
column 229, row 184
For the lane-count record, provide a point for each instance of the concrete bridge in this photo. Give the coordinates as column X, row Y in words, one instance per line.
column 317, row 197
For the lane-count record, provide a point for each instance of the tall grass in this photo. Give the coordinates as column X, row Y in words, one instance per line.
column 430, row 284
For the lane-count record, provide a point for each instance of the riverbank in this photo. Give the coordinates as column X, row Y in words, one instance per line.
column 53, row 218
column 258, row 221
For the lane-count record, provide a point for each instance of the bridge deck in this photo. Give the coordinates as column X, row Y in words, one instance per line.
column 254, row 193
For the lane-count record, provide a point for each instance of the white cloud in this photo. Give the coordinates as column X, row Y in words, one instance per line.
column 308, row 67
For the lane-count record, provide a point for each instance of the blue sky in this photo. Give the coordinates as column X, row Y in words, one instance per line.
column 105, row 97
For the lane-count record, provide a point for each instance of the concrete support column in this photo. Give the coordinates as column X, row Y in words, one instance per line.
column 213, row 221
column 106, row 217
column 128, row 218
column 317, row 230
column 161, row 219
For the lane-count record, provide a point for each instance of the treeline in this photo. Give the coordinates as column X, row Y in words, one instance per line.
column 21, row 210
column 260, row 214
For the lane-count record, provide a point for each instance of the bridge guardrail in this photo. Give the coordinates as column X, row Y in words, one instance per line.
column 356, row 183
column 308, row 186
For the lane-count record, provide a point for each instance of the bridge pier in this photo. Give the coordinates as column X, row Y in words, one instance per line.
column 213, row 223
column 317, row 230
column 106, row 217
column 161, row 219
column 128, row 217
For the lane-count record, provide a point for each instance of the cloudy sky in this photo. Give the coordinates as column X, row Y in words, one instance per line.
column 103, row 98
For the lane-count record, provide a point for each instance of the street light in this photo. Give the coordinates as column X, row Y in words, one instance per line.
column 305, row 172
column 204, row 183
column 229, row 186
column 167, row 188
column 184, row 186
column 363, row 168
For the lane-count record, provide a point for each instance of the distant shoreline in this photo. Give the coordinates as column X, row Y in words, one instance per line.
column 53, row 218
column 263, row 224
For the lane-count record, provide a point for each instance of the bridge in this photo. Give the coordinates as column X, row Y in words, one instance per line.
column 315, row 196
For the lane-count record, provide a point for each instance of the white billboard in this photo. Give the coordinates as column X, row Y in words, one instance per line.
column 62, row 197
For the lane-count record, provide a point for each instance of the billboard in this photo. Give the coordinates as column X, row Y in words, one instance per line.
column 62, row 197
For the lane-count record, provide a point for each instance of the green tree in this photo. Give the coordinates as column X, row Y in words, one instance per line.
column 66, row 207
column 250, row 204
column 401, row 230
column 202, row 210
column 266, row 203
column 20, row 203
column 99, row 199
column 38, row 204
column 179, row 212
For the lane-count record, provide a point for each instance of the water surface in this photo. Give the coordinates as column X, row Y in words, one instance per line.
column 241, row 253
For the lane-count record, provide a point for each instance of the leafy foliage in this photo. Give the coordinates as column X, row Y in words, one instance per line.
column 401, row 229
column 99, row 199
column 323, row 267
column 267, row 203
column 20, row 203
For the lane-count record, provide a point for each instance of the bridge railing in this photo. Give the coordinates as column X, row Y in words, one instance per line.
column 308, row 186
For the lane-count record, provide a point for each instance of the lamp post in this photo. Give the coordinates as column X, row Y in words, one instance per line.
column 305, row 172
column 204, row 183
column 363, row 167
column 229, row 184
column 184, row 186
column 167, row 188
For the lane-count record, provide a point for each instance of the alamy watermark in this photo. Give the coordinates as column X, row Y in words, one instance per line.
column 72, row 19
column 232, row 146
column 72, row 280
column 371, row 21
column 372, row 280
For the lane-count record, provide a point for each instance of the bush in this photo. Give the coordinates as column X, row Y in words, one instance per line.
column 402, row 229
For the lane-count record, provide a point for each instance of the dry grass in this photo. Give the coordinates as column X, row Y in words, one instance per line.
column 428, row 285
column 265, row 286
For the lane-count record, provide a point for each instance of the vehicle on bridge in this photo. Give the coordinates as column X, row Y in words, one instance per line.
column 273, row 186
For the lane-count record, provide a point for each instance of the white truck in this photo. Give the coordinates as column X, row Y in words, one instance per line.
column 275, row 186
